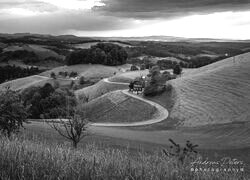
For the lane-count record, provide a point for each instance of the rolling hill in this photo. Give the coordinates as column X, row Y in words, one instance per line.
column 117, row 107
column 99, row 89
column 127, row 77
column 41, row 51
column 90, row 71
column 23, row 83
column 89, row 44
column 214, row 94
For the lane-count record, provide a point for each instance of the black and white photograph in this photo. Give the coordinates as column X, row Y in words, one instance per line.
column 124, row 89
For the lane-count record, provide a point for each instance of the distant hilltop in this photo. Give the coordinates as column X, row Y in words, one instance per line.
column 69, row 37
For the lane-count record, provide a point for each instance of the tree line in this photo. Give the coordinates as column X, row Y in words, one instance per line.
column 24, row 55
column 102, row 53
column 13, row 72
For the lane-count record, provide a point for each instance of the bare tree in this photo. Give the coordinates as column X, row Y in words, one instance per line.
column 74, row 127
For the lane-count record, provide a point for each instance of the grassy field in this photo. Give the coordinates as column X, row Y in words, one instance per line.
column 93, row 72
column 127, row 77
column 40, row 51
column 99, row 89
column 23, row 83
column 88, row 45
column 31, row 159
column 117, row 107
column 90, row 71
column 214, row 94
column 26, row 82
column 43, row 134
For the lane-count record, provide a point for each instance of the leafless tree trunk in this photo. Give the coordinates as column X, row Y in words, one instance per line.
column 73, row 128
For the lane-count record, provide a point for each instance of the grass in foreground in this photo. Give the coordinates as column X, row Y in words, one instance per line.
column 32, row 159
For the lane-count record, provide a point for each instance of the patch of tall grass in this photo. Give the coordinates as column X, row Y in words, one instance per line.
column 23, row 158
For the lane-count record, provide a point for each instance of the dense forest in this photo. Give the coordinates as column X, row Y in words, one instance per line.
column 25, row 56
column 12, row 72
column 101, row 53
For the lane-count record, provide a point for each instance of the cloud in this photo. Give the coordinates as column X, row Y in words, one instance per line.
column 31, row 5
column 188, row 18
column 74, row 4
column 64, row 21
column 50, row 5
column 145, row 9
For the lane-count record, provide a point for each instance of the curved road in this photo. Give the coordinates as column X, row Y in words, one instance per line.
column 160, row 114
column 205, row 140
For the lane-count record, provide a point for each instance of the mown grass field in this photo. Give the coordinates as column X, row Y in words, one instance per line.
column 22, row 83
column 127, row 77
column 89, row 71
column 88, row 45
column 117, row 107
column 93, row 72
column 214, row 94
column 99, row 89
column 41, row 51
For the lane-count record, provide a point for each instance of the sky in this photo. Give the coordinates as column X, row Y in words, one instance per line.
column 224, row 19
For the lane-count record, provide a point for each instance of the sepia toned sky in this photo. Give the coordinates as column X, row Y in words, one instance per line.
column 229, row 19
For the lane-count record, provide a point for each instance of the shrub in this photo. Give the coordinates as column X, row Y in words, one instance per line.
column 168, row 76
column 134, row 68
column 153, row 90
column 156, row 86
column 143, row 67
column 177, row 69
column 81, row 80
column 73, row 74
column 182, row 155
column 83, row 98
column 53, row 75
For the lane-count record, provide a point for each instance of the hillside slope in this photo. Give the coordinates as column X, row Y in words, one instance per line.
column 22, row 83
column 89, row 70
column 117, row 107
column 99, row 89
column 41, row 51
column 214, row 94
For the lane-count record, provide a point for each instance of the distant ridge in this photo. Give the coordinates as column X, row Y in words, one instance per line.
column 47, row 36
column 169, row 39
column 143, row 38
